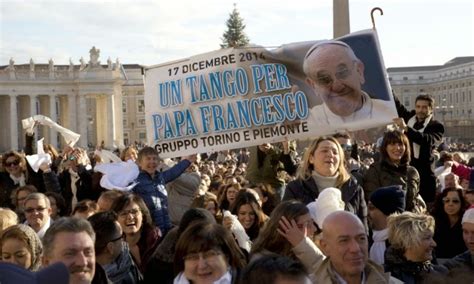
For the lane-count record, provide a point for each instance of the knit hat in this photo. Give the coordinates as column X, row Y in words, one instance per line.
column 328, row 201
column 33, row 242
column 468, row 216
column 389, row 199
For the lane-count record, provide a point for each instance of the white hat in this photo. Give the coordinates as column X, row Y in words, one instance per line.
column 328, row 201
column 468, row 216
column 118, row 175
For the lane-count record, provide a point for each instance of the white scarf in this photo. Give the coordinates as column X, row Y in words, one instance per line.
column 20, row 181
column 377, row 250
column 74, row 178
column 225, row 279
column 411, row 123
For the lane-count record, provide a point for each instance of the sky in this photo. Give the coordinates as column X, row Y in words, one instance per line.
column 150, row 32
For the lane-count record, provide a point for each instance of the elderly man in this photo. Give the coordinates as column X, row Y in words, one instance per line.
column 71, row 240
column 336, row 75
column 37, row 212
column 345, row 247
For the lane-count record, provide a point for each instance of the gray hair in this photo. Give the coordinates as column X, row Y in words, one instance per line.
column 38, row 196
column 406, row 230
column 311, row 52
column 68, row 225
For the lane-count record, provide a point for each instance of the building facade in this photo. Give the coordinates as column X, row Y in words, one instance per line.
column 451, row 85
column 103, row 103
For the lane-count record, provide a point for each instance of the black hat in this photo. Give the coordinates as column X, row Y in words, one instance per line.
column 389, row 199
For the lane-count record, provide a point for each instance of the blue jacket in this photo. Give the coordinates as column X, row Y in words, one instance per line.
column 153, row 192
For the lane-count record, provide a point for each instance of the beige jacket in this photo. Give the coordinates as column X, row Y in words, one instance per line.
column 321, row 271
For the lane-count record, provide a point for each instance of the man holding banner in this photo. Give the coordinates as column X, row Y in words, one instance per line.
column 336, row 75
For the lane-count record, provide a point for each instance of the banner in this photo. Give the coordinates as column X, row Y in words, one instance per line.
column 234, row 98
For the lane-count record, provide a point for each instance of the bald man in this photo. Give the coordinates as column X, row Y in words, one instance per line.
column 336, row 76
column 345, row 251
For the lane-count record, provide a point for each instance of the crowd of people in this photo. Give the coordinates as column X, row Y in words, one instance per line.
column 336, row 212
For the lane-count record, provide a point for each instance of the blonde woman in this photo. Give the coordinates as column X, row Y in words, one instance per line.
column 411, row 247
column 323, row 167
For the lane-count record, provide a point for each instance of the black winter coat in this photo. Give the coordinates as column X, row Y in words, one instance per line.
column 352, row 194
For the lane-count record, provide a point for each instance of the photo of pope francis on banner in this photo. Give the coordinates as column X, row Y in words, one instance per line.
column 234, row 98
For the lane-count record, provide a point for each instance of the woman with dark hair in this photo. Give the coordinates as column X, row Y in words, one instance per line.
column 323, row 166
column 228, row 195
column 448, row 210
column 269, row 240
column 207, row 253
column 268, row 197
column 140, row 233
column 394, row 168
column 161, row 265
column 18, row 173
column 18, row 199
column 249, row 213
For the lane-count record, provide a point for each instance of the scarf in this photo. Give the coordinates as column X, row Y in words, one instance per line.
column 324, row 182
column 225, row 279
column 20, row 181
column 411, row 123
column 74, row 178
column 377, row 250
column 123, row 268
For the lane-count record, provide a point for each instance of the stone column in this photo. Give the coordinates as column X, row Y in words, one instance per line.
column 341, row 20
column 53, row 134
column 33, row 112
column 71, row 109
column 82, row 121
column 110, row 143
column 33, row 101
column 13, row 123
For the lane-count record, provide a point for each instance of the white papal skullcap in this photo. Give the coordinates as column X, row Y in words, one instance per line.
column 468, row 216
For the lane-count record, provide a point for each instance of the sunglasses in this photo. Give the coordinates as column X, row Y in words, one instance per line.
column 12, row 163
column 31, row 210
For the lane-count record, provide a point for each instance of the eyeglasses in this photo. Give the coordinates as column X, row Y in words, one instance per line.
column 207, row 255
column 324, row 80
column 31, row 210
column 12, row 163
column 125, row 213
column 447, row 200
